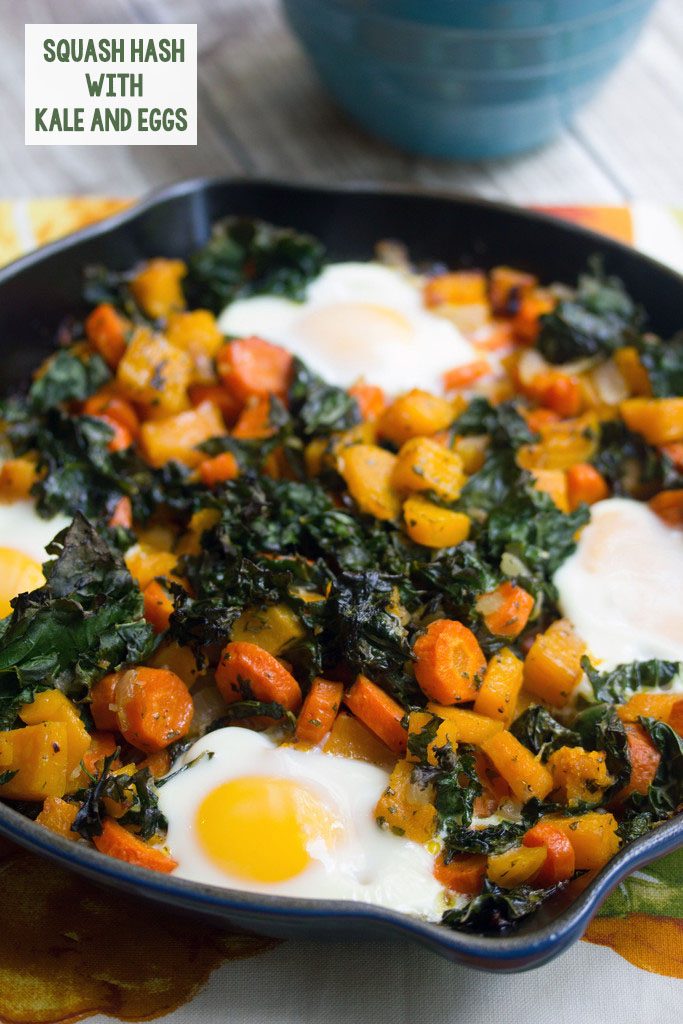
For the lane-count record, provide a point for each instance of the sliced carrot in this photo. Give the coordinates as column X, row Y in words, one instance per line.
column 506, row 609
column 106, row 331
column 644, row 758
column 122, row 437
column 253, row 367
column 116, row 841
column 102, row 744
column 465, row 375
column 103, row 702
column 371, row 400
column 219, row 469
column 669, row 506
column 254, row 421
column 220, row 396
column 107, row 403
column 319, row 710
column 557, row 391
column 159, row 763
column 246, row 670
column 585, row 484
column 465, row 873
column 153, row 707
column 560, row 862
column 380, row 712
column 158, row 606
column 449, row 663
column 122, row 514
column 526, row 322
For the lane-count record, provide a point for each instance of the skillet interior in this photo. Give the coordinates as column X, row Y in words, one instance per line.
column 37, row 292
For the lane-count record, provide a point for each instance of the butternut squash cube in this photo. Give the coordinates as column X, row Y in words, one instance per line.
column 433, row 526
column 39, row 756
column 58, row 815
column 54, row 706
column 368, row 471
column 155, row 373
column 524, row 773
column 659, row 420
column 593, row 837
column 517, row 866
column 270, row 628
column 405, row 808
column 415, row 414
column 463, row 726
column 198, row 334
column 648, row 705
column 176, row 437
column 580, row 774
column 17, row 477
column 425, row 465
column 157, row 288
column 554, row 483
column 350, row 738
column 497, row 695
column 552, row 667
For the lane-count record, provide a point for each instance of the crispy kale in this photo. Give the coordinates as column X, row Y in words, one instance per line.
column 136, row 791
column 496, row 910
column 85, row 621
column 618, row 684
column 631, row 465
column 541, row 733
column 249, row 257
column 663, row 361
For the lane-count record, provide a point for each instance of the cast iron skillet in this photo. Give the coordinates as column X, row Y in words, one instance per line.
column 39, row 290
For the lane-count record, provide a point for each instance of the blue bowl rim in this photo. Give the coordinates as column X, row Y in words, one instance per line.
column 517, row 951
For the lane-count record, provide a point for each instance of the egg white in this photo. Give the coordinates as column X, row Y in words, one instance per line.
column 366, row 864
column 22, row 529
column 623, row 586
column 358, row 320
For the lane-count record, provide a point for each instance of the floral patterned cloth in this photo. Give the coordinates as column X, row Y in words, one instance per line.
column 70, row 951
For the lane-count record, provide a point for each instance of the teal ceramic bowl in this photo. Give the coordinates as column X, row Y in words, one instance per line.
column 473, row 79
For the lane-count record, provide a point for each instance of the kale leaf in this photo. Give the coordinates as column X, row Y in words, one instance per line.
column 600, row 728
column 503, row 423
column 319, row 408
column 598, row 319
column 136, row 791
column 663, row 361
column 631, row 465
column 86, row 620
column 617, row 685
column 496, row 910
column 541, row 733
column 250, row 257
column 455, row 785
column 489, row 839
column 67, row 377
column 665, row 794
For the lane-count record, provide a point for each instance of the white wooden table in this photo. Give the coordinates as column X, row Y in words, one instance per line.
column 262, row 112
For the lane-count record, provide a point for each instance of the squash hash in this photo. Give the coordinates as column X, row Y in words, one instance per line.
column 367, row 573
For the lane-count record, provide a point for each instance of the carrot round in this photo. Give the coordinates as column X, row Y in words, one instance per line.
column 464, row 873
column 103, row 702
column 644, row 758
column 220, row 396
column 254, row 421
column 557, row 391
column 506, row 609
column 105, row 403
column 157, row 606
column 116, row 841
column 449, row 663
column 560, row 862
column 252, row 366
column 122, row 514
column 371, row 400
column 106, row 332
column 122, row 437
column 465, row 375
column 246, row 668
column 319, row 710
column 585, row 484
column 219, row 469
column 380, row 712
column 153, row 707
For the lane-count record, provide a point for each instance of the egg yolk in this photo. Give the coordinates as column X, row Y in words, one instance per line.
column 18, row 573
column 264, row 829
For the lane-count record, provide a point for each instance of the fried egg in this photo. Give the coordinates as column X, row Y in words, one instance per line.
column 23, row 539
column 623, row 586
column 280, row 820
column 358, row 320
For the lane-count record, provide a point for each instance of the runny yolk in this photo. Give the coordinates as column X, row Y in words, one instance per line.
column 264, row 829
column 18, row 573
